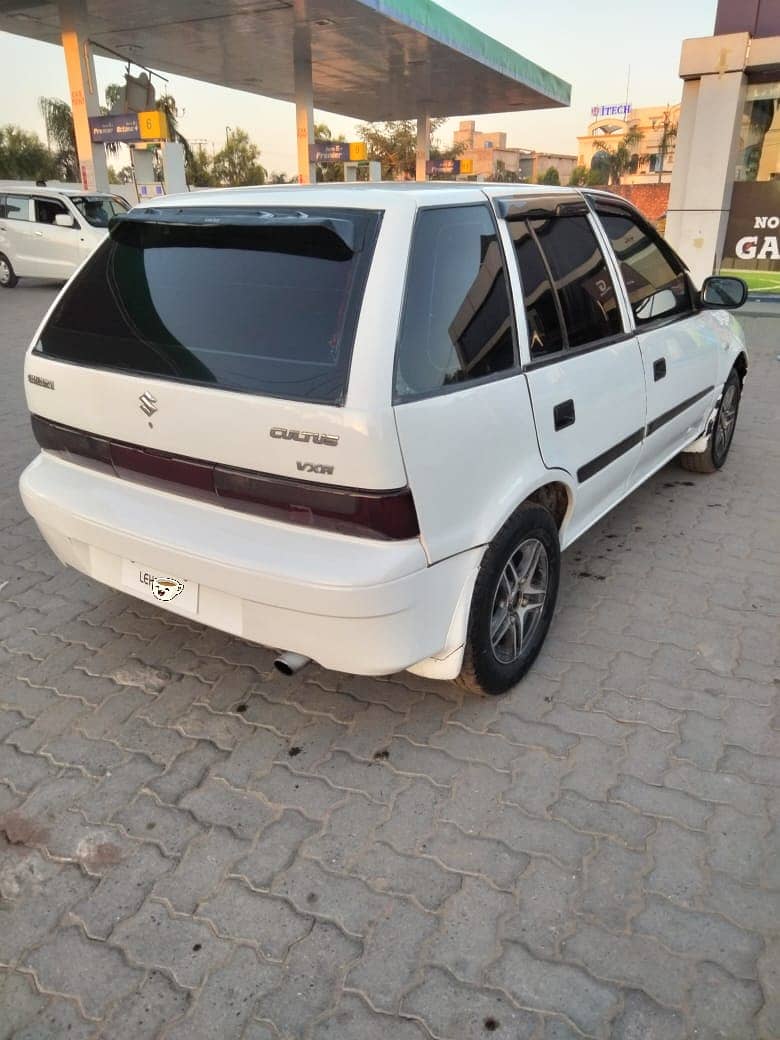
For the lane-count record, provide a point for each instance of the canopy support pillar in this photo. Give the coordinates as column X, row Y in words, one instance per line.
column 84, row 98
column 304, row 95
column 423, row 152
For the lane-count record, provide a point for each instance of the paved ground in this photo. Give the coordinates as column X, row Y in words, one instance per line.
column 191, row 847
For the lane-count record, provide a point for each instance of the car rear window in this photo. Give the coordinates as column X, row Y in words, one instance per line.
column 260, row 301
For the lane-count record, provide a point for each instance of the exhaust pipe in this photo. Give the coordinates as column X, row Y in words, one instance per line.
column 289, row 663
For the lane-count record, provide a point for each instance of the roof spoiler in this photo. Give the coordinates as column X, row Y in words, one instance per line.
column 240, row 216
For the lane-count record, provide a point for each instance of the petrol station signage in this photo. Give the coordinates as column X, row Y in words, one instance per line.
column 338, row 151
column 129, row 127
column 449, row 167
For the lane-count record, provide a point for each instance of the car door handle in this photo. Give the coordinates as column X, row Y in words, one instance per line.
column 659, row 369
column 39, row 234
column 563, row 414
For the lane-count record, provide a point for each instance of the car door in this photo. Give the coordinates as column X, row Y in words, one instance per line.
column 583, row 367
column 679, row 351
column 58, row 249
column 16, row 234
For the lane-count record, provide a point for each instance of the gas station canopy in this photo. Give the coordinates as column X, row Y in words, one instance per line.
column 370, row 59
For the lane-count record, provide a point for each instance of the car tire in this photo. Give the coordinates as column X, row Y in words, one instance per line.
column 720, row 439
column 8, row 277
column 513, row 602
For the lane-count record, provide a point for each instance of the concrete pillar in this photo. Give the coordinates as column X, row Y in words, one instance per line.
column 423, row 152
column 304, row 94
column 83, row 92
column 707, row 142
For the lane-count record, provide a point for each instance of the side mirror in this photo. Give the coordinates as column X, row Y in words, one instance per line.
column 64, row 220
column 723, row 291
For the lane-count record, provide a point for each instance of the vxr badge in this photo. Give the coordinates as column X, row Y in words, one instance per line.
column 148, row 403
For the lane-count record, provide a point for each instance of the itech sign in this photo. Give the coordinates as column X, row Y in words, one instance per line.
column 600, row 111
column 754, row 227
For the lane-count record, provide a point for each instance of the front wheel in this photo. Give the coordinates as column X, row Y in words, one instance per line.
column 8, row 278
column 714, row 456
column 513, row 603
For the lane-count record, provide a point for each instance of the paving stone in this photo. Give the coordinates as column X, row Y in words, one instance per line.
column 206, row 860
column 51, row 723
column 94, row 757
column 467, row 938
column 769, row 978
column 26, row 700
column 637, row 709
column 23, row 771
column 348, row 831
column 643, row 1019
column 371, row 778
column 630, row 960
column 229, row 995
column 389, row 871
column 528, row 733
column 536, row 781
column 19, row 1001
column 722, row 1007
column 415, row 812
column 702, row 740
column 121, row 891
column 542, row 985
column 218, row 804
column 717, row 787
column 547, row 895
column 749, row 907
column 678, row 698
column 58, row 1017
column 539, row 837
column 182, row 947
column 238, row 912
column 477, row 797
column 144, row 1014
column 750, row 727
column 613, row 821
column 679, row 863
column 737, row 843
column 160, row 744
column 354, row 1020
column 412, row 759
column 707, row 936
column 11, row 720
column 173, row 702
column 453, row 1009
column 117, row 789
column 148, row 820
column 490, row 749
column 373, row 729
column 759, row 768
column 310, row 980
column 611, row 884
column 251, row 758
column 391, row 954
column 226, row 731
column 663, row 802
column 90, row 972
column 275, row 849
column 346, row 900
column 287, row 789
column 472, row 854
column 51, row 797
column 104, row 723
column 186, row 772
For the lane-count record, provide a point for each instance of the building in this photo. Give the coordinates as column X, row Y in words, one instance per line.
column 651, row 134
column 724, row 203
column 490, row 155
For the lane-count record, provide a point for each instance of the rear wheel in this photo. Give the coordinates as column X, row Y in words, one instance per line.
column 8, row 279
column 513, row 602
column 714, row 456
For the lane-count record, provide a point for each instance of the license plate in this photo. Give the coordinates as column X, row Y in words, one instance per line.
column 160, row 587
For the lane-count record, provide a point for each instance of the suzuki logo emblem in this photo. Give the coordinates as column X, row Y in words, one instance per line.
column 148, row 403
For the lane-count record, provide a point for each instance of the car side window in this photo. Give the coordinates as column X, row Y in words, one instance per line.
column 655, row 280
column 456, row 325
column 17, row 207
column 542, row 311
column 47, row 209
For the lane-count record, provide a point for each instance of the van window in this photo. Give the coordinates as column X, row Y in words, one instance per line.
column 17, row 207
column 655, row 280
column 98, row 210
column 263, row 302
column 47, row 209
column 456, row 325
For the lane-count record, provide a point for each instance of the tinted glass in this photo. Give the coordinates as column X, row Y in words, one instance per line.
column 456, row 325
column 545, row 335
column 17, row 207
column 267, row 309
column 99, row 210
column 47, row 209
column 656, row 285
column 582, row 281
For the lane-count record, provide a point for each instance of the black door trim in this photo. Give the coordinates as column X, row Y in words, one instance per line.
column 666, row 417
column 590, row 469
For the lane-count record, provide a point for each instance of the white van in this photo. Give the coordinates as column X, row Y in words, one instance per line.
column 49, row 232
column 359, row 423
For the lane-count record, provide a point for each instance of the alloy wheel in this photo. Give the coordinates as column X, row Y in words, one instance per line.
column 519, row 599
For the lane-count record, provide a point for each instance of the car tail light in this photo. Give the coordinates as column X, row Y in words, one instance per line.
column 389, row 515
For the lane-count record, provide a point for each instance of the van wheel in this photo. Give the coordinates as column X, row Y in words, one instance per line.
column 513, row 602
column 714, row 456
column 8, row 279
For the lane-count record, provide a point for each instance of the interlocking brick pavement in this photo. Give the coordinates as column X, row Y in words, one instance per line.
column 191, row 846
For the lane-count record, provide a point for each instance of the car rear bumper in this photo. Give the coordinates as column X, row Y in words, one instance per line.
column 352, row 604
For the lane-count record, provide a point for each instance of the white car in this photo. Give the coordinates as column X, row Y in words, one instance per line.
column 49, row 232
column 359, row 423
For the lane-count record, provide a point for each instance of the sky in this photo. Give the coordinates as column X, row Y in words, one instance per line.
column 599, row 48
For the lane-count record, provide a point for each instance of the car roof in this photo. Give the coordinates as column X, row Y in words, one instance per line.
column 32, row 189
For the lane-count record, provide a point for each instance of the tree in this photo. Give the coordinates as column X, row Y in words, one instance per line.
column 199, row 168
column 578, row 176
column 550, row 176
column 237, row 163
column 501, row 175
column 666, row 144
column 24, row 157
column 394, row 144
column 281, row 178
column 60, row 137
column 619, row 159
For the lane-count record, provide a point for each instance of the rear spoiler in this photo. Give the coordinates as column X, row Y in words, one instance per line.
column 346, row 230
